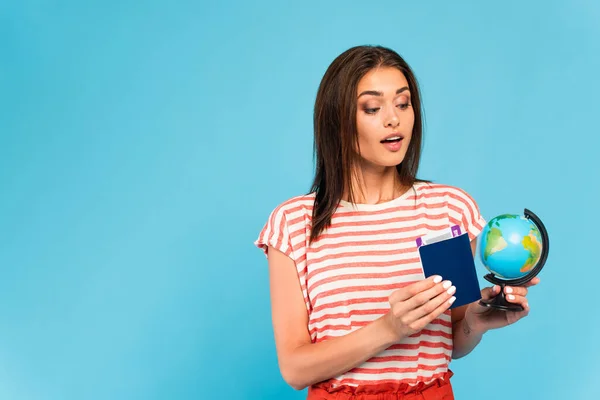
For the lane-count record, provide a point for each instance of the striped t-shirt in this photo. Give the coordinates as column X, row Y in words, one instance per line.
column 369, row 250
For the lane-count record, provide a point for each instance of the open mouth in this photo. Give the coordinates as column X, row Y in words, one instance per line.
column 392, row 139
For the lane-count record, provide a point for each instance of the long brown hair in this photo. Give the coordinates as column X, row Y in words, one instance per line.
column 335, row 133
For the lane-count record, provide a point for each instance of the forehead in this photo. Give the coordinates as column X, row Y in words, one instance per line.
column 384, row 79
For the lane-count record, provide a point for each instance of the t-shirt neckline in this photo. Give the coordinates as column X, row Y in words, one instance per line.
column 379, row 206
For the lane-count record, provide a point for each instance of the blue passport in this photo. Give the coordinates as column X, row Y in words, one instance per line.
column 452, row 259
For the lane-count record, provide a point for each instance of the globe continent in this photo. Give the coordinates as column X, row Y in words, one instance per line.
column 511, row 246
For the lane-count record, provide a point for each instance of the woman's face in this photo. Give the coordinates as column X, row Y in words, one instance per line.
column 384, row 117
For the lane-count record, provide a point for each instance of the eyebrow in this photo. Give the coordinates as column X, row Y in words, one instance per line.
column 377, row 93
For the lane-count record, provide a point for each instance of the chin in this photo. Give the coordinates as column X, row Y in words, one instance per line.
column 384, row 162
column 385, row 159
column 394, row 160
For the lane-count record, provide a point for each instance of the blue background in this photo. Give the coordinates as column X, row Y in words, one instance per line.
column 143, row 145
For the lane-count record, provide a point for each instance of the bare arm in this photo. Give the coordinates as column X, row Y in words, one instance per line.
column 303, row 363
column 464, row 336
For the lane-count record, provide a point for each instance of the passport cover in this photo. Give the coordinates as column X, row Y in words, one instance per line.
column 452, row 259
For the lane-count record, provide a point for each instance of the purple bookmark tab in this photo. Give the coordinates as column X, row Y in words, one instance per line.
column 419, row 242
column 456, row 231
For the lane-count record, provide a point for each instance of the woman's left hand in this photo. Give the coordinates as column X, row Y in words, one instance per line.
column 483, row 319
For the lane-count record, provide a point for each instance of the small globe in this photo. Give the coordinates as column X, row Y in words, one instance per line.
column 511, row 246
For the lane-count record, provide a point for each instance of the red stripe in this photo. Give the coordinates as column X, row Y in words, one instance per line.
column 363, row 253
column 351, row 302
column 422, row 343
column 402, row 346
column 360, row 324
column 411, row 207
column 419, row 378
column 417, row 368
column 454, row 221
column 304, row 204
column 362, row 288
column 280, row 234
column 430, row 332
column 368, row 264
column 340, row 212
column 369, row 311
column 456, row 209
column 403, row 229
column 442, row 192
column 465, row 222
column 392, row 263
column 395, row 220
column 348, row 315
column 359, row 243
column 370, row 276
column 439, row 321
column 427, row 356
column 466, row 203
column 353, row 324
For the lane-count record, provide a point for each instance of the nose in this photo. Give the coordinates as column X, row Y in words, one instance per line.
column 391, row 118
column 392, row 121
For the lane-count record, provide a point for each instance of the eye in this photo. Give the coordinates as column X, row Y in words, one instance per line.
column 371, row 110
column 403, row 106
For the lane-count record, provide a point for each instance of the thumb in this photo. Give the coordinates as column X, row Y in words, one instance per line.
column 489, row 292
column 486, row 294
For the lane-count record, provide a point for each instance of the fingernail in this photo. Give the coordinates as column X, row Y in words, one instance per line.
column 494, row 288
column 508, row 290
column 451, row 300
column 451, row 290
column 447, row 284
column 511, row 297
column 437, row 279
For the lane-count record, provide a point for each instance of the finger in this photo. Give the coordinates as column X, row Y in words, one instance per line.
column 439, row 310
column 489, row 292
column 533, row 282
column 414, row 288
column 522, row 300
column 402, row 308
column 432, row 304
column 516, row 290
column 427, row 295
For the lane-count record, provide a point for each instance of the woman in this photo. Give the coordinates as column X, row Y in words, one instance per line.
column 353, row 315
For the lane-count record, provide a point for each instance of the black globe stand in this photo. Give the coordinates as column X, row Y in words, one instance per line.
column 500, row 302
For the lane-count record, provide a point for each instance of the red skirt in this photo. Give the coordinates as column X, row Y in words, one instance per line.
column 439, row 389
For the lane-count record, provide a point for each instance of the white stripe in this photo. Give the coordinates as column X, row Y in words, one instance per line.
column 357, row 286
column 403, row 364
column 391, row 376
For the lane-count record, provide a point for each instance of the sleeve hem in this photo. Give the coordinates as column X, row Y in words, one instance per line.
column 476, row 228
column 265, row 244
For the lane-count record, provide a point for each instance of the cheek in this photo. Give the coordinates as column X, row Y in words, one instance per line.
column 367, row 131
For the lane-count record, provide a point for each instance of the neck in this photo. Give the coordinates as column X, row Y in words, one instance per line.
column 373, row 185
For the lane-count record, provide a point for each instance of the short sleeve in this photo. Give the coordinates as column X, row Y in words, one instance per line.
column 275, row 233
column 470, row 215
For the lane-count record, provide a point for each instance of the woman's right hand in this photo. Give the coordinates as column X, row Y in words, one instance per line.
column 416, row 305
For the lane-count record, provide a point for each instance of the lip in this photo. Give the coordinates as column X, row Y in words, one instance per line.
column 394, row 146
column 391, row 135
